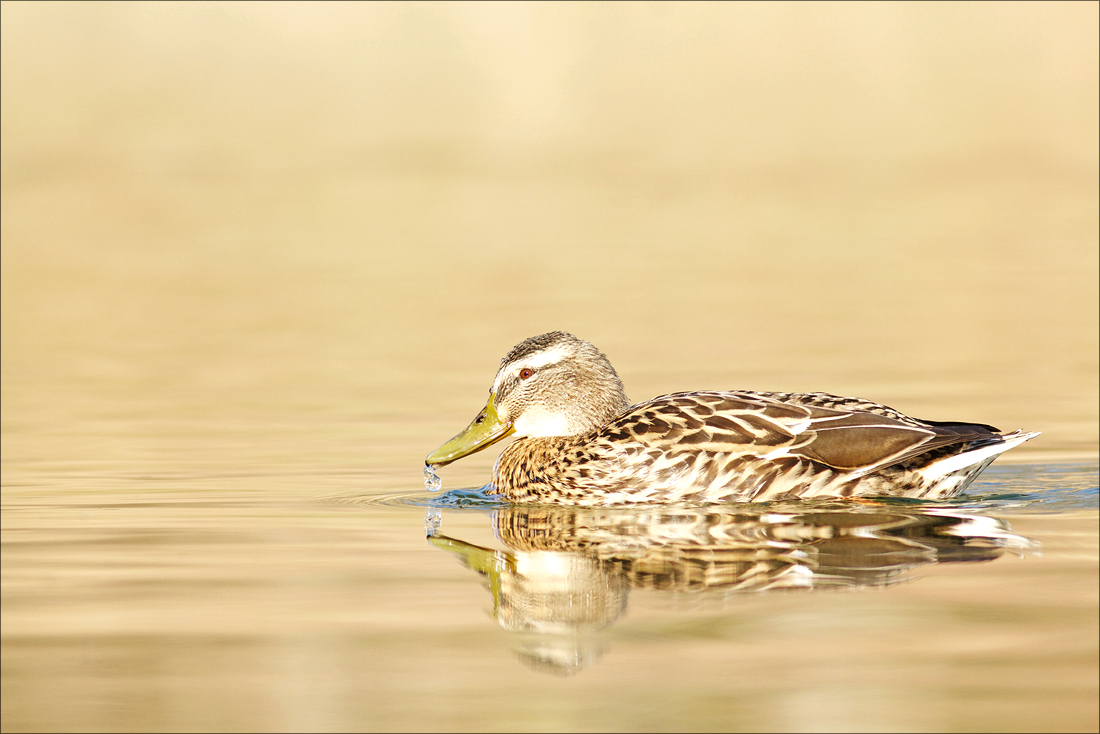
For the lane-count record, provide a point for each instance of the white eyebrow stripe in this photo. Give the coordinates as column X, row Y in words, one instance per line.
column 541, row 359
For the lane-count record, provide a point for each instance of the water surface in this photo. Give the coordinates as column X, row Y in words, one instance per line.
column 335, row 611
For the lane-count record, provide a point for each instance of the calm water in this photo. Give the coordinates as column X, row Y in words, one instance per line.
column 162, row 609
column 259, row 260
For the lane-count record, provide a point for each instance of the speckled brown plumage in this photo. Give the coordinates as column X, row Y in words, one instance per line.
column 712, row 446
column 722, row 446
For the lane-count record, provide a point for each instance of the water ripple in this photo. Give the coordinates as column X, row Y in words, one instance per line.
column 1030, row 488
column 454, row 498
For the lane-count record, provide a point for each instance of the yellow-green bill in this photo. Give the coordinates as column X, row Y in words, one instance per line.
column 485, row 430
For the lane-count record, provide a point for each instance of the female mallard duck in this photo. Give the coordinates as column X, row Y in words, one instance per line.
column 582, row 443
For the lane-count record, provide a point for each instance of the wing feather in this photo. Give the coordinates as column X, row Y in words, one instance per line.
column 849, row 435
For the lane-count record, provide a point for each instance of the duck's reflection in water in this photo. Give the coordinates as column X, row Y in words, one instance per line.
column 568, row 572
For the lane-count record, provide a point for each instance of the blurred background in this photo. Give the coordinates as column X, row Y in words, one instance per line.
column 299, row 237
column 259, row 259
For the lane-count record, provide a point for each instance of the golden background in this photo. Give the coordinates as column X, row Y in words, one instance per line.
column 228, row 228
column 264, row 253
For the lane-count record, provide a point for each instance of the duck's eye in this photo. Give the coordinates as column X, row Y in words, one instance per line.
column 525, row 373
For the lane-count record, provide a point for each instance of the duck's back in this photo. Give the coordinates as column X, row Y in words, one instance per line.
column 752, row 446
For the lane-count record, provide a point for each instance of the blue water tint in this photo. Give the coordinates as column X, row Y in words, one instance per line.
column 479, row 498
column 1035, row 488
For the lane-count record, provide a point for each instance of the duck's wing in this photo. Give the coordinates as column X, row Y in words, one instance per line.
column 849, row 438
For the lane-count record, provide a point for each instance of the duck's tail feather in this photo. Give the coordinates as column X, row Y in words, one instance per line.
column 951, row 474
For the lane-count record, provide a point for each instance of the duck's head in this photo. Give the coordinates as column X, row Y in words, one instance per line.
column 549, row 385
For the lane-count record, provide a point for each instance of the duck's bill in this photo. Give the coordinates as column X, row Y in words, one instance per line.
column 484, row 431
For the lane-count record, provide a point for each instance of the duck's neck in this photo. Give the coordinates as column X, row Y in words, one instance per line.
column 530, row 462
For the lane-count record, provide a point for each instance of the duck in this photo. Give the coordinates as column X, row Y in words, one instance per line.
column 580, row 442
